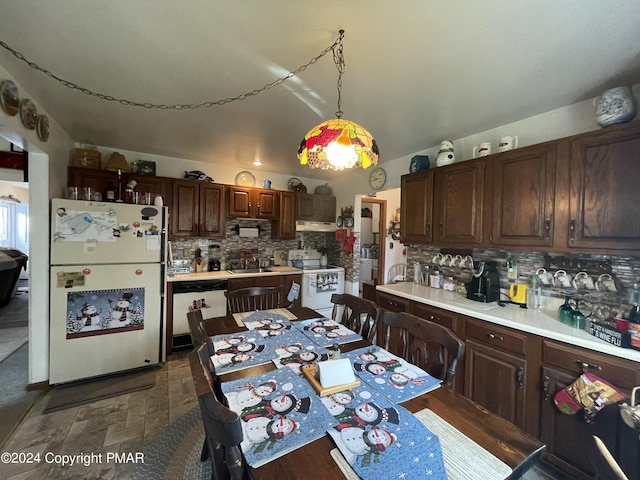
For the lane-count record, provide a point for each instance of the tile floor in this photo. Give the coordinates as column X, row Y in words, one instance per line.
column 124, row 424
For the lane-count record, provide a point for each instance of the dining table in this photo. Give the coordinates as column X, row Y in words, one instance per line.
column 502, row 439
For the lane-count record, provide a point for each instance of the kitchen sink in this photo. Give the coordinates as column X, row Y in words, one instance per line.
column 249, row 270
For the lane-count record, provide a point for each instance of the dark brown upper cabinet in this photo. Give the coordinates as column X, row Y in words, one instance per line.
column 524, row 196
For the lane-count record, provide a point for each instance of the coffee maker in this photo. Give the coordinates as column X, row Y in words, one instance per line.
column 485, row 282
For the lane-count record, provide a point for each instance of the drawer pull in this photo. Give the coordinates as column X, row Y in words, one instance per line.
column 494, row 336
column 586, row 365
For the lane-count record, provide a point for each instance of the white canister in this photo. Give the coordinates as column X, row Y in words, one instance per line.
column 482, row 150
column 445, row 156
column 507, row 143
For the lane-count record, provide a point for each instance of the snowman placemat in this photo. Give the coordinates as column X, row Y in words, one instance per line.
column 247, row 319
column 379, row 439
column 326, row 332
column 279, row 412
column 392, row 376
column 295, row 350
column 240, row 350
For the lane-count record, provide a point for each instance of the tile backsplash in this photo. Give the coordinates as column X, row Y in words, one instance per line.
column 625, row 269
column 263, row 245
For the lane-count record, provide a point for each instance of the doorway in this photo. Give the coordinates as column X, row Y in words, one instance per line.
column 14, row 244
column 373, row 235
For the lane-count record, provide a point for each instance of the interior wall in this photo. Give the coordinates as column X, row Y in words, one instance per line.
column 47, row 177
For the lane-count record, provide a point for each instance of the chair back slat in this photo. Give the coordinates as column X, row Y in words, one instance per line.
column 253, row 298
column 357, row 314
column 434, row 348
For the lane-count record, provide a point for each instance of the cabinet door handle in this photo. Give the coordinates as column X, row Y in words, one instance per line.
column 587, row 365
column 431, row 317
column 494, row 336
column 547, row 227
column 428, row 227
column 545, row 386
column 520, row 377
column 572, row 229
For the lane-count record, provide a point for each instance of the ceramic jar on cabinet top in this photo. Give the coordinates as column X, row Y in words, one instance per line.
column 616, row 105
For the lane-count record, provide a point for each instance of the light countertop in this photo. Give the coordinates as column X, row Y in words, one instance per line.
column 543, row 322
column 225, row 275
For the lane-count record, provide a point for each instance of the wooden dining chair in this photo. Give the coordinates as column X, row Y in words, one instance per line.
column 196, row 328
column 526, row 465
column 605, row 465
column 222, row 426
column 430, row 346
column 253, row 298
column 356, row 314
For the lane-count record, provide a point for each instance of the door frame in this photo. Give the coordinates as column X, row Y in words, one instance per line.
column 382, row 226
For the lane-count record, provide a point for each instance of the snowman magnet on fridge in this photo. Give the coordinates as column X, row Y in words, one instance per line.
column 445, row 154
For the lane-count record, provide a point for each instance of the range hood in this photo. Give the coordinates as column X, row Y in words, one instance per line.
column 311, row 226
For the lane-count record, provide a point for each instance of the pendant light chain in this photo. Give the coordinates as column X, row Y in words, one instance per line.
column 338, row 59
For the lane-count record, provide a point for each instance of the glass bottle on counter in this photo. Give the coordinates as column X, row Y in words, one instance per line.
column 634, row 314
column 512, row 268
column 111, row 192
column 534, row 295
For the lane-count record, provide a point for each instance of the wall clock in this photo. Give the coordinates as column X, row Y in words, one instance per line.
column 378, row 178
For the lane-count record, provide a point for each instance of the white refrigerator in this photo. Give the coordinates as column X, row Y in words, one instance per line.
column 107, row 288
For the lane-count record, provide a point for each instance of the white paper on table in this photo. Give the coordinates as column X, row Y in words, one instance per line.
column 336, row 372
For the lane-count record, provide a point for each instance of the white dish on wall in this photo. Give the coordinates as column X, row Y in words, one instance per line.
column 245, row 179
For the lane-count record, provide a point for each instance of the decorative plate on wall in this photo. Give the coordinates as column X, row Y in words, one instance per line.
column 28, row 113
column 323, row 190
column 292, row 183
column 245, row 179
column 43, row 128
column 9, row 98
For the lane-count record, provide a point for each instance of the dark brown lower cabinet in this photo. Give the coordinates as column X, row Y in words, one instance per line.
column 566, row 436
column 516, row 375
column 569, row 436
column 495, row 380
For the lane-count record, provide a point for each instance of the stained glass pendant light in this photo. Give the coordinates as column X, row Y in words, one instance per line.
column 338, row 144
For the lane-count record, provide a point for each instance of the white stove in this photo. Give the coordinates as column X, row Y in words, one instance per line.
column 318, row 283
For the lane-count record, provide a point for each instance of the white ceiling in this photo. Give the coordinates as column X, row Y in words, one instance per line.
column 417, row 71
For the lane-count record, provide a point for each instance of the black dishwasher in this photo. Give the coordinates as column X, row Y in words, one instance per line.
column 205, row 295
